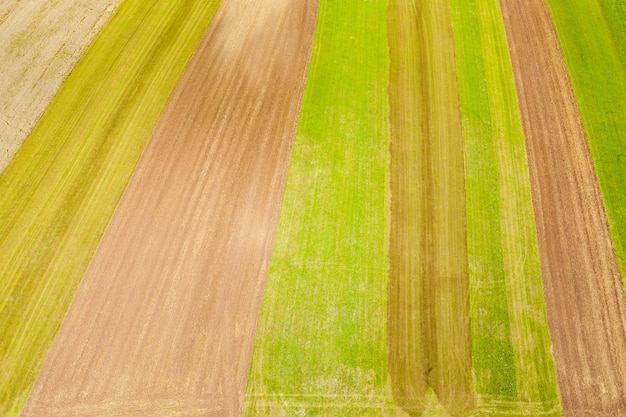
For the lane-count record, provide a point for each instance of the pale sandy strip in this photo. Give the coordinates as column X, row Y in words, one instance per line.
column 40, row 42
column 331, row 401
column 491, row 405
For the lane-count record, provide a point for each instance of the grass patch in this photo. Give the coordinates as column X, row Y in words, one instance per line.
column 321, row 339
column 593, row 38
column 513, row 366
column 60, row 190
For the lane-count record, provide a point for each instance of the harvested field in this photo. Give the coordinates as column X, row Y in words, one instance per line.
column 429, row 317
column 164, row 320
column 40, row 42
column 61, row 189
column 584, row 294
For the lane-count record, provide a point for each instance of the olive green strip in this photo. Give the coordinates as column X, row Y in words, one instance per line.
column 429, row 316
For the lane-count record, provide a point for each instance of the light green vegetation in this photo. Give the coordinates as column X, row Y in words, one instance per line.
column 60, row 190
column 321, row 340
column 614, row 13
column 593, row 38
column 429, row 304
column 333, row 339
column 514, row 369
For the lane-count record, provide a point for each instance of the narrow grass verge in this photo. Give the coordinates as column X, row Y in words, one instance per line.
column 62, row 187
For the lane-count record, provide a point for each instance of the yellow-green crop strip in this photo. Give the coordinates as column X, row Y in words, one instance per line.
column 321, row 339
column 513, row 366
column 593, row 38
column 60, row 190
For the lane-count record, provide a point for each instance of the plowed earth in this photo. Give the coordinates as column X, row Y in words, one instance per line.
column 164, row 320
column 584, row 295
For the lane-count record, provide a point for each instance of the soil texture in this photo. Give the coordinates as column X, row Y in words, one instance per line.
column 164, row 320
column 584, row 294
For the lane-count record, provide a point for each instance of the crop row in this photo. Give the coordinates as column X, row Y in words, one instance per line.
column 593, row 38
column 448, row 318
column 60, row 190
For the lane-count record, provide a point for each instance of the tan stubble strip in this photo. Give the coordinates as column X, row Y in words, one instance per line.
column 429, row 338
column 164, row 320
column 584, row 296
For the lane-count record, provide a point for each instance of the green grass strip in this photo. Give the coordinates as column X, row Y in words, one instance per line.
column 60, row 191
column 321, row 339
column 593, row 38
column 514, row 369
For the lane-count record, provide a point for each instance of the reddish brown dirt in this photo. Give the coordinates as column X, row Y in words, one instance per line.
column 584, row 295
column 164, row 320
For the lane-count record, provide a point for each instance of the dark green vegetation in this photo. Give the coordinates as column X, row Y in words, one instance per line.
column 60, row 190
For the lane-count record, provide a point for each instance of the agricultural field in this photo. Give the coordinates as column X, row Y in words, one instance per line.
column 596, row 60
column 62, row 187
column 568, row 208
column 321, row 340
column 429, row 298
column 408, row 208
column 145, row 299
column 40, row 42
column 513, row 366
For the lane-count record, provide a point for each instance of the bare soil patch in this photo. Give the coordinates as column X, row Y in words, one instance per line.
column 164, row 320
column 584, row 295
column 40, row 42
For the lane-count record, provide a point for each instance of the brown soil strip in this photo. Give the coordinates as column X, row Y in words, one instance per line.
column 429, row 325
column 584, row 295
column 164, row 320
